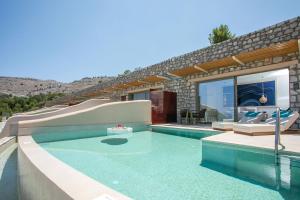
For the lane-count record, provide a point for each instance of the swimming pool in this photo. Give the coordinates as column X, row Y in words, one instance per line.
column 155, row 165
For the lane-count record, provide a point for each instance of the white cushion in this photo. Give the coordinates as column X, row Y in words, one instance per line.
column 254, row 128
column 223, row 125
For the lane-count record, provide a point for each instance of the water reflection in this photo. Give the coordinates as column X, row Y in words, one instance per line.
column 255, row 167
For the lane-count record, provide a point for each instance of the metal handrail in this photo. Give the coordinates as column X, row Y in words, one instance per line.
column 277, row 134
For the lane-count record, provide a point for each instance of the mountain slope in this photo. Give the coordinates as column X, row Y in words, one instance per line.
column 29, row 86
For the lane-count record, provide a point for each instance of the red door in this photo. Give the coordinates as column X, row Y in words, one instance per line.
column 163, row 106
column 156, row 98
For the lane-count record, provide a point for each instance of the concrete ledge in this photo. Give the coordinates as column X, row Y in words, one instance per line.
column 265, row 142
column 42, row 176
column 109, row 113
column 185, row 127
column 11, row 125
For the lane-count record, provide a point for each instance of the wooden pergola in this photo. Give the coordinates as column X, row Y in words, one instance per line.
column 274, row 50
column 147, row 80
column 155, row 79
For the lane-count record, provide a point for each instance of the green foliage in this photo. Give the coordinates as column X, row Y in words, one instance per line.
column 11, row 104
column 127, row 71
column 220, row 34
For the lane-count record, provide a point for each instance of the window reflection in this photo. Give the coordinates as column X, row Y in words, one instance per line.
column 218, row 98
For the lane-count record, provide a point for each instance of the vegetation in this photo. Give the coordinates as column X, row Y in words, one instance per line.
column 127, row 71
column 220, row 34
column 12, row 104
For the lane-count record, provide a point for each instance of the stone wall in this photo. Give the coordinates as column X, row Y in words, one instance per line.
column 295, row 90
column 281, row 32
column 187, row 95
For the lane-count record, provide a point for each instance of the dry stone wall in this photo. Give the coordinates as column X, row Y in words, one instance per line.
column 187, row 95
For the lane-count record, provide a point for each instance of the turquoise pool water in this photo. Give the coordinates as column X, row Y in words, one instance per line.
column 152, row 165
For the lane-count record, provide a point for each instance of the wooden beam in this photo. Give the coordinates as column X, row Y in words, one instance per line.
column 299, row 45
column 200, row 69
column 145, row 82
column 145, row 89
column 170, row 74
column 162, row 77
column 265, row 68
column 237, row 60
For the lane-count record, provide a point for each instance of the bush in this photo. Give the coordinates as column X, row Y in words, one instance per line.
column 13, row 104
column 220, row 34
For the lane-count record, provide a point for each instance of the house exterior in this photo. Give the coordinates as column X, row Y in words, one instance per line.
column 267, row 50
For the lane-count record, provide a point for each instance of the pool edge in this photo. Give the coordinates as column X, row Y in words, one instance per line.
column 42, row 176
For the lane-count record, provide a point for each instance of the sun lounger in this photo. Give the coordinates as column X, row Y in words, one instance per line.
column 248, row 118
column 287, row 119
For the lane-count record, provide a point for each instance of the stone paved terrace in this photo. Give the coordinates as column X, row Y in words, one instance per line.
column 290, row 141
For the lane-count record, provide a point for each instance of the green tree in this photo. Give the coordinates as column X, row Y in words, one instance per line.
column 13, row 104
column 127, row 71
column 18, row 108
column 220, row 34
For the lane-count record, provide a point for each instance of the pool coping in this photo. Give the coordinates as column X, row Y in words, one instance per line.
column 185, row 127
column 211, row 139
column 69, row 180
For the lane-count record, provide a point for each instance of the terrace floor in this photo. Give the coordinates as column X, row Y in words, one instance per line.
column 291, row 141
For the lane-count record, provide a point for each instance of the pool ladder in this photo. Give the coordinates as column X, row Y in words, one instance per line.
column 277, row 136
column 280, row 155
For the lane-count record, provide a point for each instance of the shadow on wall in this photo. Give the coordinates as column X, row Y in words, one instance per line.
column 8, row 179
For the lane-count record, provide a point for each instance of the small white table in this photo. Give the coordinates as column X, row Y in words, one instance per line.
column 119, row 130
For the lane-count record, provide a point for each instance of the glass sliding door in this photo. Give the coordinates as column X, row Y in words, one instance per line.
column 218, row 98
column 141, row 96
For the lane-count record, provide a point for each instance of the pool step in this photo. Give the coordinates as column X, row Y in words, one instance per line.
column 286, row 159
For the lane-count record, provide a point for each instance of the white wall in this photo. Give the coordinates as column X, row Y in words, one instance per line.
column 109, row 113
column 11, row 126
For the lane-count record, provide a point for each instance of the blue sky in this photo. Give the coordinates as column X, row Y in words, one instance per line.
column 67, row 40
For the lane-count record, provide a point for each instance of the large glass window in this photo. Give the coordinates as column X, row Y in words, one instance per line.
column 267, row 89
column 141, row 96
column 218, row 98
column 260, row 92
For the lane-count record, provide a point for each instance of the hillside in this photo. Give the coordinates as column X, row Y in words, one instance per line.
column 28, row 86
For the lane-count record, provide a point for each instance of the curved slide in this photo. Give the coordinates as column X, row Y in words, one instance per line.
column 11, row 126
column 126, row 112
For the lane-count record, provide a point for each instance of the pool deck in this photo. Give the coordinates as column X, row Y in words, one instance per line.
column 290, row 141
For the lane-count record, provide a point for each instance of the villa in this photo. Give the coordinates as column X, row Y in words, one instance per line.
column 197, row 126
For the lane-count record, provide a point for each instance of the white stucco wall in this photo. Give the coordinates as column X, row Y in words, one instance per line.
column 11, row 125
column 109, row 113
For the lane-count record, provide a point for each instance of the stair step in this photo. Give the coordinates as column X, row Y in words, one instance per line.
column 286, row 159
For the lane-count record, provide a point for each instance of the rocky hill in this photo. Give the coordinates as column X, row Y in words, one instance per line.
column 29, row 86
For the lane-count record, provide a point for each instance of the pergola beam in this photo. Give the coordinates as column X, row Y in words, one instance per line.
column 145, row 82
column 299, row 45
column 162, row 77
column 170, row 74
column 200, row 69
column 237, row 60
